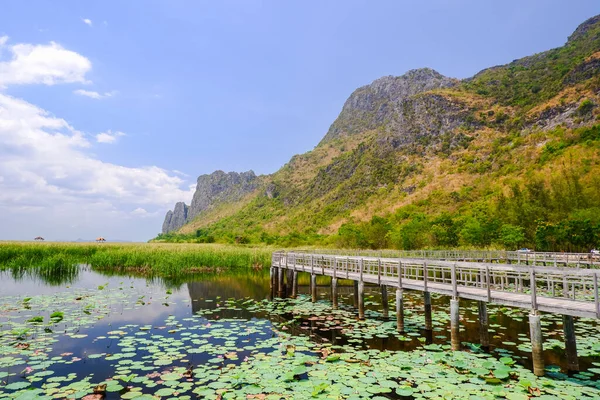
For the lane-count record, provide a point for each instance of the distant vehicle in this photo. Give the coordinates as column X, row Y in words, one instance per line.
column 100, row 239
column 38, row 238
column 524, row 250
column 595, row 252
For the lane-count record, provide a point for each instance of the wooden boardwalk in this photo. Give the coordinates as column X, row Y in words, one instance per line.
column 570, row 290
column 586, row 260
column 560, row 290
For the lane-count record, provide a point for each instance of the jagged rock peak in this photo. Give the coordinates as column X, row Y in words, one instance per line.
column 220, row 186
column 417, row 80
column 367, row 106
column 211, row 189
column 584, row 28
column 399, row 87
column 175, row 219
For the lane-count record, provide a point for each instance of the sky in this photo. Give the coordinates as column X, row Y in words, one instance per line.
column 110, row 110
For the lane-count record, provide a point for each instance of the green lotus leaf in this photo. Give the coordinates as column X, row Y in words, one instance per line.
column 17, row 385
column 131, row 395
column 164, row 392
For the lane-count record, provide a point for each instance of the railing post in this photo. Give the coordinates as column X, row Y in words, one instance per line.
column 335, row 267
column 347, row 267
column 454, row 285
column 399, row 274
column 312, row 265
column 323, row 265
column 379, row 271
column 360, row 266
column 425, row 275
column 533, row 287
column 487, row 282
column 596, row 295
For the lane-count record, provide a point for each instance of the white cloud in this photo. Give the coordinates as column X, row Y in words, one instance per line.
column 87, row 21
column 42, row 64
column 179, row 173
column 51, row 183
column 94, row 95
column 51, row 177
column 108, row 136
column 139, row 211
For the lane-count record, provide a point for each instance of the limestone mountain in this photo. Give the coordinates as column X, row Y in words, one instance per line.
column 211, row 190
column 447, row 161
column 384, row 102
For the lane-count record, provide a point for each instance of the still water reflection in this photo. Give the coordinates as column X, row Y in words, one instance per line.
column 150, row 301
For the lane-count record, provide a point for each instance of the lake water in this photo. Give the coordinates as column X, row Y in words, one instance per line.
column 224, row 336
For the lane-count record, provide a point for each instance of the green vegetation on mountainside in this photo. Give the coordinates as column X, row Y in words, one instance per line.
column 507, row 158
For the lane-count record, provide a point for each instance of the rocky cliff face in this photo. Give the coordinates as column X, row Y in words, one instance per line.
column 211, row 189
column 218, row 187
column 379, row 103
column 175, row 219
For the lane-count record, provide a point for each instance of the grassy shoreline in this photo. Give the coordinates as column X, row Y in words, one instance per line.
column 158, row 258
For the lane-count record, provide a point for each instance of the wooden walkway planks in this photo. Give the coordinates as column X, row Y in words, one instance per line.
column 567, row 291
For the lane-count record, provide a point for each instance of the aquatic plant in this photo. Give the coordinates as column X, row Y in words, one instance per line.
column 49, row 260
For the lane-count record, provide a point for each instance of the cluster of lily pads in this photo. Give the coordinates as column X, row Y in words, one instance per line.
column 289, row 348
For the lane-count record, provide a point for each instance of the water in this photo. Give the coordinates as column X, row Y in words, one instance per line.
column 134, row 331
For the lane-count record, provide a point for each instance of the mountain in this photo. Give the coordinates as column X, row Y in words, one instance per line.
column 507, row 157
column 211, row 190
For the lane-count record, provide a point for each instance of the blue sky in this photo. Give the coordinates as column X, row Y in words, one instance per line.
column 110, row 110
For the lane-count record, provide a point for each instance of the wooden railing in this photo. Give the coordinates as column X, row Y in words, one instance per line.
column 498, row 256
column 570, row 291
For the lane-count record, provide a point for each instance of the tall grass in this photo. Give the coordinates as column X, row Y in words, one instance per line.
column 158, row 258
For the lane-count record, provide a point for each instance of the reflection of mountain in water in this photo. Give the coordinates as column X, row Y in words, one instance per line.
column 225, row 287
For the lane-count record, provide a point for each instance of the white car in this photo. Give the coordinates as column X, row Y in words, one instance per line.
column 595, row 252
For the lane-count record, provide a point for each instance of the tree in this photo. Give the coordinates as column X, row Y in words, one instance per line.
column 472, row 233
column 350, row 237
column 512, row 236
column 376, row 233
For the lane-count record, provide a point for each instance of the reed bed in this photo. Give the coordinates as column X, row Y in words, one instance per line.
column 159, row 258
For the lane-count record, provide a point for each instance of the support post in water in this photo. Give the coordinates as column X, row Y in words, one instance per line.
column 289, row 282
column 537, row 351
column 399, row 311
column 384, row 302
column 427, row 302
column 313, row 287
column 570, row 343
column 334, row 293
column 361, row 300
column 295, row 284
column 355, row 283
column 484, row 336
column 280, row 284
column 454, row 324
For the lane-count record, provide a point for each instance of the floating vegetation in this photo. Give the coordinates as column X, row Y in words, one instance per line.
column 120, row 341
